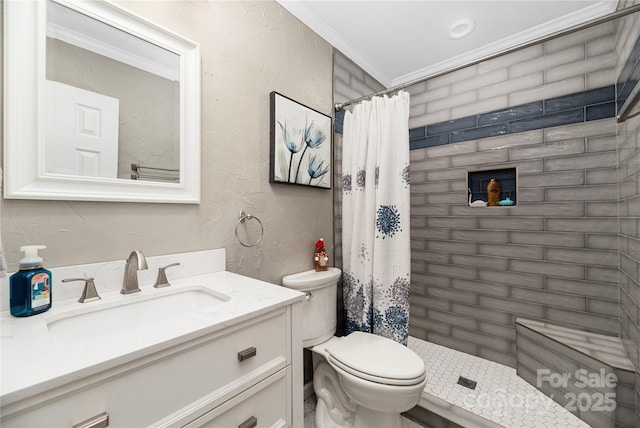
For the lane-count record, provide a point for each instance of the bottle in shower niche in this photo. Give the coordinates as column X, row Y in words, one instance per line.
column 493, row 193
column 30, row 287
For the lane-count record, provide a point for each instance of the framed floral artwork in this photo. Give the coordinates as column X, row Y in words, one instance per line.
column 300, row 144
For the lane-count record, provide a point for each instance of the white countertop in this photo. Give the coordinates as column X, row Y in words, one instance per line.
column 33, row 363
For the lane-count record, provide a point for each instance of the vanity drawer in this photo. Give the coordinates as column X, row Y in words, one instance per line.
column 263, row 405
column 242, row 352
column 189, row 379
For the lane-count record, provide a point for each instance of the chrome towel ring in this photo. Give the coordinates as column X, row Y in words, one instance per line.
column 246, row 216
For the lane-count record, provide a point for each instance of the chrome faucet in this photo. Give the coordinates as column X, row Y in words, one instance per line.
column 135, row 262
column 89, row 292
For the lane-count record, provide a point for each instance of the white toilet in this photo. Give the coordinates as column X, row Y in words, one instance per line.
column 361, row 380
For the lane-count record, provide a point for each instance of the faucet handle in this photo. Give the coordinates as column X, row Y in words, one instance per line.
column 89, row 293
column 161, row 280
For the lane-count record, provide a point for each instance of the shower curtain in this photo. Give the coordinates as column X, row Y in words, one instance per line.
column 375, row 215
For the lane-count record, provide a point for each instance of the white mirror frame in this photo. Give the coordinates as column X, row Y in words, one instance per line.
column 24, row 82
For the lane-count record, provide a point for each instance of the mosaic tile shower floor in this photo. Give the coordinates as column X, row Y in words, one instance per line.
column 500, row 399
column 500, row 396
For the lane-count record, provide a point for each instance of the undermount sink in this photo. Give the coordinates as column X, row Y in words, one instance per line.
column 130, row 312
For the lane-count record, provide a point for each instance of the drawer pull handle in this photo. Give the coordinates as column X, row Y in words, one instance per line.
column 252, row 422
column 99, row 421
column 246, row 354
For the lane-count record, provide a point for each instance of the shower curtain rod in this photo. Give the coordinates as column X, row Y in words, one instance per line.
column 609, row 17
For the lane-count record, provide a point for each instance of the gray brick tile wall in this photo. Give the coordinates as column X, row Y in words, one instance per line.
column 563, row 178
column 512, row 278
column 586, row 193
column 586, row 225
column 489, row 288
column 548, row 239
column 445, row 318
column 552, row 257
column 581, row 130
column 586, row 256
column 502, row 223
column 566, row 86
column 583, row 288
column 452, row 342
column 560, row 209
column 602, row 176
column 483, row 158
column 605, row 307
column 480, row 236
column 531, row 195
column 481, row 313
column 553, row 149
column 562, row 270
column 627, row 37
column 586, row 161
column 517, row 251
column 571, row 64
column 600, row 144
column 602, row 274
column 536, row 351
column 605, row 242
column 451, row 270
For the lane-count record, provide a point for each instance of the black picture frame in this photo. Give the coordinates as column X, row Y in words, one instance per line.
column 301, row 144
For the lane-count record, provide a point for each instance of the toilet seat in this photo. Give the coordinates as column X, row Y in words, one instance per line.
column 377, row 359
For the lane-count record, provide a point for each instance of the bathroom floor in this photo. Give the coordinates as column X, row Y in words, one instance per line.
column 310, row 413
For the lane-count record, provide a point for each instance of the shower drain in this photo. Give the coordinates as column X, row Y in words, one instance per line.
column 467, row 383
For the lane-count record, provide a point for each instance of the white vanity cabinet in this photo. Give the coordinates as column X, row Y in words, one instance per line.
column 246, row 375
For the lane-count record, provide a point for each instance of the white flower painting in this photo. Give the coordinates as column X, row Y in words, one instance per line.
column 300, row 144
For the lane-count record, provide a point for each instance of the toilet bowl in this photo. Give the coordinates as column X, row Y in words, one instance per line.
column 360, row 380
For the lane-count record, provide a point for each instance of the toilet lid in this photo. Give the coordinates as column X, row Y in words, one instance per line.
column 378, row 359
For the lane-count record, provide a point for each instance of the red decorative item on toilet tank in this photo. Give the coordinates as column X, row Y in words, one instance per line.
column 320, row 258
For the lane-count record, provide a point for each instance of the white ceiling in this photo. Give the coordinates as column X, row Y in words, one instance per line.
column 399, row 41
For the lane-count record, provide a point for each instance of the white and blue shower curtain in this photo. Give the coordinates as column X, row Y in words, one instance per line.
column 375, row 213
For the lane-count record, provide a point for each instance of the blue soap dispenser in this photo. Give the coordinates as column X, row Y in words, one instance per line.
column 30, row 287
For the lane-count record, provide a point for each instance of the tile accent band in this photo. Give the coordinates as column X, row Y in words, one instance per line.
column 579, row 107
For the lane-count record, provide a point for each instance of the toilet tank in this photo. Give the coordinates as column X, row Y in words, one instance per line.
column 319, row 318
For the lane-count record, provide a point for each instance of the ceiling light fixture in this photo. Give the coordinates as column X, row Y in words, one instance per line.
column 461, row 28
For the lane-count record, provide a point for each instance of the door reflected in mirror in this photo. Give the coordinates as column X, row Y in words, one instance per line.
column 112, row 101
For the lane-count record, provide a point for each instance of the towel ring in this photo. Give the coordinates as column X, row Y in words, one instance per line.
column 246, row 216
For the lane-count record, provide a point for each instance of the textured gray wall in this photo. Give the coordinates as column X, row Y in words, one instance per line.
column 627, row 34
column 248, row 50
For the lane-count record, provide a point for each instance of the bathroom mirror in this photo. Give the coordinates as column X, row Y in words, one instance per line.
column 100, row 105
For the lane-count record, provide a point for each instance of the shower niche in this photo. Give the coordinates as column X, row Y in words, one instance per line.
column 502, row 192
